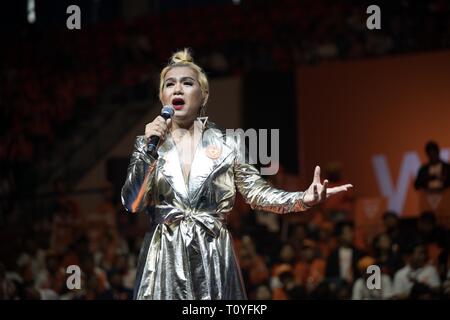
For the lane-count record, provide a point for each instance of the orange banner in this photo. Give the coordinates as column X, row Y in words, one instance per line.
column 374, row 117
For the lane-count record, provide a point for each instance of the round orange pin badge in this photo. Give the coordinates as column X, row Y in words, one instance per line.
column 213, row 152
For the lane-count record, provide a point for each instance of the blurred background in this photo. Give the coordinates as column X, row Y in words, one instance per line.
column 371, row 107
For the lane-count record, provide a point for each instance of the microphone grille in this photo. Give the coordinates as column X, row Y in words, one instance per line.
column 168, row 111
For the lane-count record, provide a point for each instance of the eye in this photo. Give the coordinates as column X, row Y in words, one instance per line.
column 188, row 83
column 169, row 84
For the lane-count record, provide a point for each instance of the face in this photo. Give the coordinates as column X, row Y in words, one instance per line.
column 419, row 257
column 181, row 89
column 116, row 280
column 433, row 155
column 299, row 232
column 384, row 243
column 287, row 253
column 425, row 227
column 325, row 233
column 347, row 235
column 52, row 264
column 390, row 222
column 88, row 265
column 308, row 254
column 263, row 293
column 248, row 244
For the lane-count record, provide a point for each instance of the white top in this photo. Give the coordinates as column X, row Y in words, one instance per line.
column 435, row 170
column 362, row 292
column 427, row 275
column 345, row 263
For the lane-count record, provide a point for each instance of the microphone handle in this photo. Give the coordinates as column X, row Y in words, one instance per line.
column 154, row 140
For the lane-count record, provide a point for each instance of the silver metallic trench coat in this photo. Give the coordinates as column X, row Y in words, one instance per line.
column 188, row 252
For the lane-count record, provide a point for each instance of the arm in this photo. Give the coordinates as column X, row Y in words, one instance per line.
column 400, row 286
column 255, row 190
column 261, row 196
column 140, row 175
column 357, row 291
column 386, row 287
column 432, row 279
column 421, row 179
column 446, row 175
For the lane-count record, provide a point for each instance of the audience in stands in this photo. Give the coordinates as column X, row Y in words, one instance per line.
column 417, row 279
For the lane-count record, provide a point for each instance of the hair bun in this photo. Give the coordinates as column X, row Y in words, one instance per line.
column 182, row 56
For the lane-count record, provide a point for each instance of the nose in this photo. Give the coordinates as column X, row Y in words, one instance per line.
column 178, row 88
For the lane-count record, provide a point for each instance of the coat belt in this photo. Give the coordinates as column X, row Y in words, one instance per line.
column 211, row 222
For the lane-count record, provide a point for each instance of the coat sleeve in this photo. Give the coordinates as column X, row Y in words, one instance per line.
column 140, row 174
column 257, row 192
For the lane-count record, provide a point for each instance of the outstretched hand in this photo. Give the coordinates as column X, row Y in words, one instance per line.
column 318, row 192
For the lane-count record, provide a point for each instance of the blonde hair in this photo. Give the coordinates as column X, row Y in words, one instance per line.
column 183, row 58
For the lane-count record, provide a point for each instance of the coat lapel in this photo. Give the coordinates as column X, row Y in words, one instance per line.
column 170, row 166
column 210, row 154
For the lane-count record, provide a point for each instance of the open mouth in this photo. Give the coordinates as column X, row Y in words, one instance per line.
column 178, row 103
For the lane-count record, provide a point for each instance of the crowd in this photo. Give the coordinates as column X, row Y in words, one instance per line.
column 316, row 257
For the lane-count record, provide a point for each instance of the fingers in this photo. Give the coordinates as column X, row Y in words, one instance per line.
column 161, row 123
column 332, row 191
column 316, row 193
column 161, row 120
column 324, row 190
column 152, row 129
column 316, row 175
column 158, row 127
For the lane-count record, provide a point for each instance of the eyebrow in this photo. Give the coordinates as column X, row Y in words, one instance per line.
column 183, row 78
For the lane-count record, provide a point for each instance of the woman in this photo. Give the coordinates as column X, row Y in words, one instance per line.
column 189, row 187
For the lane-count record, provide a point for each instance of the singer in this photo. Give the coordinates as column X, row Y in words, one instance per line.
column 188, row 185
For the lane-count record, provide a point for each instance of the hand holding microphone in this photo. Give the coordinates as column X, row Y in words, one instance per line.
column 157, row 129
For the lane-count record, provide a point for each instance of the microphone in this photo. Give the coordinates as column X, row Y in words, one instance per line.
column 167, row 113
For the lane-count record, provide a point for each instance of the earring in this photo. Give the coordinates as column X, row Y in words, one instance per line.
column 203, row 118
column 203, row 111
